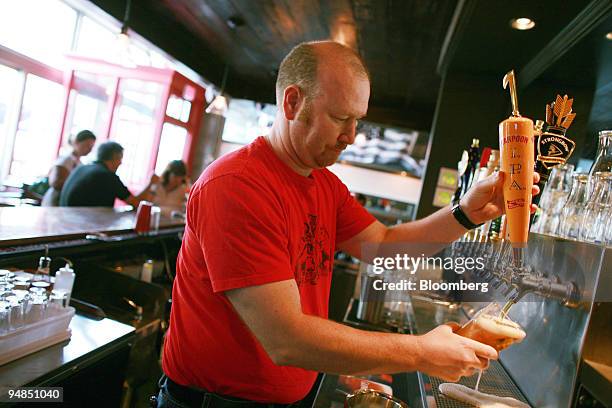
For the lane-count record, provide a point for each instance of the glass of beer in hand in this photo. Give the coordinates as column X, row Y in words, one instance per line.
column 490, row 327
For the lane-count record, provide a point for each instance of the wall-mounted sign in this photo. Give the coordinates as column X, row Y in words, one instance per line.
column 443, row 196
column 447, row 178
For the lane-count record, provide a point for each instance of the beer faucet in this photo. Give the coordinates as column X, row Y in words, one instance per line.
column 526, row 280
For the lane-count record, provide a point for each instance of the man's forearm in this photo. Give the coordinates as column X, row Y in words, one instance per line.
column 439, row 227
column 321, row 345
column 145, row 194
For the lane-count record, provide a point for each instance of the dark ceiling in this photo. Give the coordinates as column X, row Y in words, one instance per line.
column 403, row 42
column 399, row 40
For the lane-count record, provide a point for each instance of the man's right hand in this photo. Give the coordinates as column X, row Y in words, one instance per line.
column 449, row 356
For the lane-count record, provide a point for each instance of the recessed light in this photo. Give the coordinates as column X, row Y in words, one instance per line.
column 235, row 22
column 609, row 36
column 522, row 23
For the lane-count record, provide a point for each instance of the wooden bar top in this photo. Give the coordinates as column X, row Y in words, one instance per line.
column 28, row 223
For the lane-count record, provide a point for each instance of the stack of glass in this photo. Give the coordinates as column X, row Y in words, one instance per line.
column 554, row 197
column 595, row 223
column 25, row 301
column 582, row 212
column 574, row 209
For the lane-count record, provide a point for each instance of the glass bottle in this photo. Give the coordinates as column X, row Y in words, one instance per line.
column 554, row 197
column 573, row 210
column 603, row 157
column 44, row 268
column 597, row 209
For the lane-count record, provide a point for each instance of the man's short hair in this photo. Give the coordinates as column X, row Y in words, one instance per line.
column 299, row 67
column 108, row 150
column 84, row 135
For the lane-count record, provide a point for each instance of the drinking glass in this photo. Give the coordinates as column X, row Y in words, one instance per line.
column 5, row 317
column 554, row 197
column 596, row 216
column 574, row 208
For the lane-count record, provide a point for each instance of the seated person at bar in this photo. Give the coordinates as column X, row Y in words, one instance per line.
column 169, row 193
column 82, row 144
column 250, row 298
column 97, row 185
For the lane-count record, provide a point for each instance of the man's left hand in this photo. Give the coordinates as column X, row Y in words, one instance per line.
column 485, row 200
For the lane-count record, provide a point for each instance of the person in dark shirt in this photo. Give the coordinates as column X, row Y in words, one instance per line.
column 97, row 185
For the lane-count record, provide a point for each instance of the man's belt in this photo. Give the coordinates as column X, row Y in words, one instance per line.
column 205, row 399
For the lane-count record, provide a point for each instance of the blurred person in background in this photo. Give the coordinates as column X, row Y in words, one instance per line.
column 82, row 144
column 170, row 193
column 97, row 184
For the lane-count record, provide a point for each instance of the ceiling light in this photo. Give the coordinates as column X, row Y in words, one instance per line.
column 235, row 22
column 522, row 23
column 609, row 36
column 218, row 106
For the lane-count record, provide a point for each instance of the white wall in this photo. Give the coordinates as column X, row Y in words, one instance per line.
column 365, row 181
column 380, row 184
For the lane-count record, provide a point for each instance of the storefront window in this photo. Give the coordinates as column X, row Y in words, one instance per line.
column 87, row 108
column 246, row 120
column 134, row 127
column 9, row 79
column 96, row 41
column 171, row 146
column 178, row 108
column 38, row 129
column 40, row 29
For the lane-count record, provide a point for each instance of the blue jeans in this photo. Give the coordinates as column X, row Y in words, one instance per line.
column 166, row 400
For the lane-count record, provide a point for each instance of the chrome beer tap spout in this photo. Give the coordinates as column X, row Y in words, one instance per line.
column 527, row 280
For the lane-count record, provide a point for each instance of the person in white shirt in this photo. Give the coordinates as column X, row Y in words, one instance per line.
column 170, row 193
column 82, row 144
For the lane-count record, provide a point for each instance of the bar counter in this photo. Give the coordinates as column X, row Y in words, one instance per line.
column 83, row 352
column 23, row 225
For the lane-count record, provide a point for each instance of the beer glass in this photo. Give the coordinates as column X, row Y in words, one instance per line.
column 488, row 326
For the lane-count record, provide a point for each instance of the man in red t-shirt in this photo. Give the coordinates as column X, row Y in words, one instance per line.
column 249, row 315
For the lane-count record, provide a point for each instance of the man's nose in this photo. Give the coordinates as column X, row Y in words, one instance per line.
column 349, row 132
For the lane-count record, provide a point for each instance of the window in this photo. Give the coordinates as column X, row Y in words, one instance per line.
column 10, row 81
column 40, row 29
column 178, row 108
column 134, row 128
column 38, row 128
column 87, row 108
column 96, row 41
column 171, row 146
column 246, row 120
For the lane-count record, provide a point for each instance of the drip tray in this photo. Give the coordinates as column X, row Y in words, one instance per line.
column 494, row 381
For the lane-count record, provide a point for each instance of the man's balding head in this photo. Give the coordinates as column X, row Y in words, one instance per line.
column 300, row 67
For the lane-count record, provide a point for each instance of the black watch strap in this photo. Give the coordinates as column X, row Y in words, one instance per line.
column 461, row 217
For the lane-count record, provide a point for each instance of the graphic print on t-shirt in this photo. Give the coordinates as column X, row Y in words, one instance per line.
column 313, row 260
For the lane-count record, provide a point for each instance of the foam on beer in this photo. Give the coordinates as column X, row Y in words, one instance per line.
column 501, row 327
column 497, row 332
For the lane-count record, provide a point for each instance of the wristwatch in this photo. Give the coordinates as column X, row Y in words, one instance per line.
column 461, row 217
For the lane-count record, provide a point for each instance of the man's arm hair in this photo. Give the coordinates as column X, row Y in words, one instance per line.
column 438, row 228
column 273, row 314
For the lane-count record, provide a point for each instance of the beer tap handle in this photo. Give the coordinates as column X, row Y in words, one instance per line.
column 510, row 81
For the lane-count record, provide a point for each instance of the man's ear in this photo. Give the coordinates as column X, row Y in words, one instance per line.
column 292, row 101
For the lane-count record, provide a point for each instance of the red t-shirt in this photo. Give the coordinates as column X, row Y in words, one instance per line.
column 252, row 220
